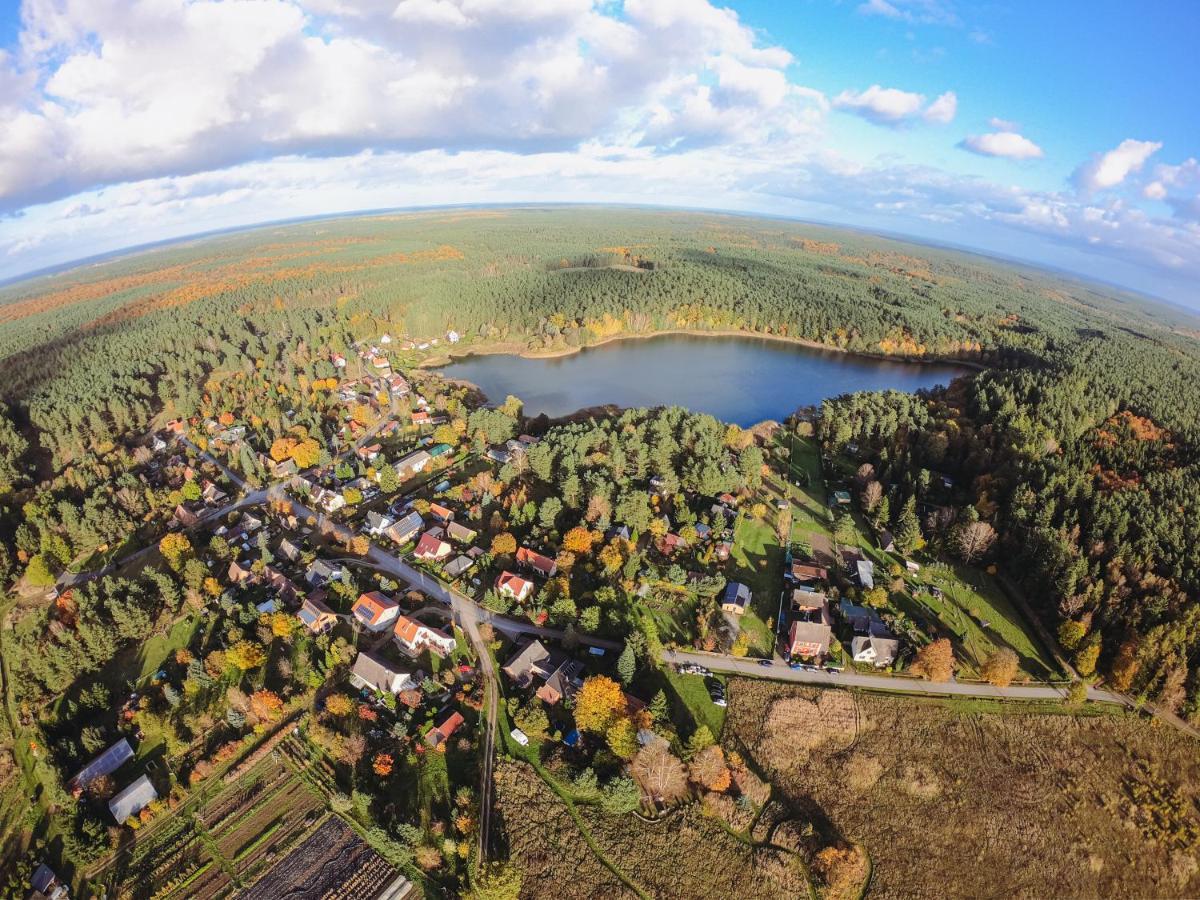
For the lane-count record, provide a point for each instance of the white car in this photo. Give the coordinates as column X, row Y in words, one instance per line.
column 520, row 737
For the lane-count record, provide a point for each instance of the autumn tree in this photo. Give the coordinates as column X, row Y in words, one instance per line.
column 598, row 704
column 1000, row 668
column 504, row 544
column 578, row 540
column 245, row 655
column 1071, row 633
column 339, row 705
column 659, row 773
column 973, row 540
column 266, row 705
column 1087, row 654
column 621, row 738
column 1124, row 665
column 708, row 769
column 382, row 764
column 175, row 548
column 934, row 661
column 871, row 495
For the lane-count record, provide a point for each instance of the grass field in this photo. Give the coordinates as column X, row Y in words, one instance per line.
column 693, row 695
column 983, row 800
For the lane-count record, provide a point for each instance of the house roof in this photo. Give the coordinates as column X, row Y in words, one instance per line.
column 374, row 606
column 312, row 611
column 379, row 521
column 444, row 727
column 132, row 800
column 514, row 583
column 458, row 565
column 809, row 571
column 436, row 509
column 521, row 667
column 409, row 525
column 866, row 573
column 104, row 764
column 735, row 594
column 809, row 633
column 535, row 560
column 375, row 672
column 460, row 532
column 430, row 545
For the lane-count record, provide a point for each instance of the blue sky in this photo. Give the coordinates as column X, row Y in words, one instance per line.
column 1065, row 133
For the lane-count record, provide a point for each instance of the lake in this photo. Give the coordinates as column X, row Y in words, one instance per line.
column 743, row 380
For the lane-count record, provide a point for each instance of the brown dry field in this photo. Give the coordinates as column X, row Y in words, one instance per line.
column 952, row 803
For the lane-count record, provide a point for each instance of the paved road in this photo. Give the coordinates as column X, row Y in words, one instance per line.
column 779, row 672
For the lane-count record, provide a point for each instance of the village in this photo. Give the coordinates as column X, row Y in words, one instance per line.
column 357, row 591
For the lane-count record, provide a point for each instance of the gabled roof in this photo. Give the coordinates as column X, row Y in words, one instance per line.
column 458, row 565
column 517, row 585
column 535, row 560
column 444, row 727
column 104, row 764
column 373, row 607
column 312, row 611
column 375, row 672
column 735, row 594
column 431, row 546
column 132, row 800
column 441, row 512
column 460, row 533
column 522, row 666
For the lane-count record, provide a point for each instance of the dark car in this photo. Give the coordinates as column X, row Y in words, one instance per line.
column 766, row 662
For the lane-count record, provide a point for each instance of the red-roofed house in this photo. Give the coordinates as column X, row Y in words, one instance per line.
column 441, row 513
column 420, row 417
column 541, row 564
column 513, row 586
column 443, row 729
column 431, row 547
column 375, row 611
column 414, row 637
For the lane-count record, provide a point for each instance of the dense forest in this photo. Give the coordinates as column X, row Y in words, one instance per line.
column 1078, row 441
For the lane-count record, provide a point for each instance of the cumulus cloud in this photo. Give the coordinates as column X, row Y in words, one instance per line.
column 892, row 106
column 1007, row 144
column 1107, row 170
column 131, row 91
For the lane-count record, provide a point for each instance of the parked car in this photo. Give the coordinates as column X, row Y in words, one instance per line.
column 766, row 662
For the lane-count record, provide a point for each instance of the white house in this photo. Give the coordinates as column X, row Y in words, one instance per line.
column 375, row 674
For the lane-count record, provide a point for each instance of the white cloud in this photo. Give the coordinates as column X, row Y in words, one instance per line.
column 916, row 12
column 1003, row 124
column 1007, row 144
column 892, row 106
column 1107, row 170
column 942, row 110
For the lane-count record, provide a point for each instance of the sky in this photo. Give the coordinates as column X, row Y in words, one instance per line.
column 1062, row 133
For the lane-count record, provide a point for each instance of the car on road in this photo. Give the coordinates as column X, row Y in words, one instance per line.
column 766, row 662
column 830, row 670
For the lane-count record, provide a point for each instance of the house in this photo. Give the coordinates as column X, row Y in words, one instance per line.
column 859, row 618
column 406, row 529
column 460, row 534
column 238, row 573
column 266, row 607
column 878, row 647
column 410, row 465
column 157, row 444
column 132, row 800
column 316, row 616
column 866, row 573
column 498, row 455
column 213, row 495
column 431, row 548
column 841, row 498
column 250, row 524
column 185, row 516
column 284, row 469
column 672, row 543
column 887, row 543
column 811, row 630
column 458, row 566
column 441, row 513
column 339, row 361
column 735, row 598
column 381, row 365
column 378, row 523
column 443, row 729
column 703, row 531
column 289, row 550
column 420, row 417
column 375, row 674
column 804, row 573
column 397, row 385
column 414, row 637
column 530, row 662
column 104, row 764
column 513, row 586
column 540, row 563
column 330, row 501
column 562, row 683
column 912, row 566
column 283, row 585
column 375, row 611
column 46, row 886
column 723, row 549
column 321, row 572
column 368, row 453
column 618, row 531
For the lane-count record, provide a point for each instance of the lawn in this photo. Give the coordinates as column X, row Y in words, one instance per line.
column 758, row 559
column 692, row 695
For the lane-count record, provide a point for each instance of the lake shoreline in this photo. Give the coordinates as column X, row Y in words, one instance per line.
column 447, row 359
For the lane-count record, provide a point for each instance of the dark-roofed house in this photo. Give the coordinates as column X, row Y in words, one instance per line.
column 878, row 647
column 46, row 886
column 378, row 523
column 887, row 543
column 316, row 616
column 132, row 800
column 458, row 566
column 443, row 729
column 406, row 529
column 530, row 662
column 540, row 563
column 735, row 598
column 557, row 671
column 803, row 573
column 563, row 682
column 379, row 675
column 375, row 611
column 104, row 764
column 321, row 572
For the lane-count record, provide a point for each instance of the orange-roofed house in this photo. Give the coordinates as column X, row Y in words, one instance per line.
column 441, row 513
column 432, row 548
column 414, row 637
column 514, row 586
column 375, row 611
column 540, row 563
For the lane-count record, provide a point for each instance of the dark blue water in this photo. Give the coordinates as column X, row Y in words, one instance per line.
column 742, row 380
